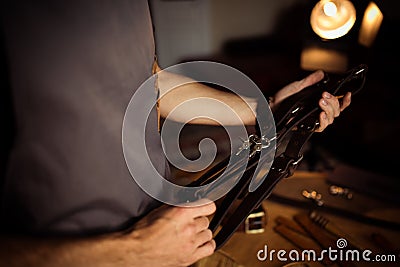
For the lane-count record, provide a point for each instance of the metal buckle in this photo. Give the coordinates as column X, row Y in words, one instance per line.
column 255, row 144
column 255, row 223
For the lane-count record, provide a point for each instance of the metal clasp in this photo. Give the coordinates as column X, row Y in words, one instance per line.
column 255, row 144
column 255, row 223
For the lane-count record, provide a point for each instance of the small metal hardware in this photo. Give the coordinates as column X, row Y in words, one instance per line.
column 314, row 196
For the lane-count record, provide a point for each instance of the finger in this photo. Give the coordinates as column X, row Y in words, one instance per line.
column 323, row 122
column 203, row 237
column 311, row 79
column 205, row 250
column 201, row 223
column 329, row 110
column 203, row 210
column 333, row 102
column 346, row 101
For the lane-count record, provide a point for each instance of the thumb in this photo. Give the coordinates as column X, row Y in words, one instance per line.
column 311, row 79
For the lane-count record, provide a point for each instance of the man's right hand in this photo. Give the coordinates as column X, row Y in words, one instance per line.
column 167, row 237
column 174, row 236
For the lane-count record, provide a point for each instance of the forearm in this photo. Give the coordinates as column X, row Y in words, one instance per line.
column 101, row 251
column 202, row 103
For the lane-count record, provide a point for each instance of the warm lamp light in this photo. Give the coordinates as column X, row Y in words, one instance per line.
column 314, row 58
column 331, row 19
column 370, row 25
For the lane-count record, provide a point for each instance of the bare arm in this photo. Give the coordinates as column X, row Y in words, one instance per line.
column 245, row 108
column 16, row 252
column 202, row 99
column 169, row 237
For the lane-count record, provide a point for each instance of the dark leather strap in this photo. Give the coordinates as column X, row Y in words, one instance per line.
column 296, row 120
column 283, row 166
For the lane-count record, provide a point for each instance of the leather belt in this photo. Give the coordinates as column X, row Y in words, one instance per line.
column 296, row 120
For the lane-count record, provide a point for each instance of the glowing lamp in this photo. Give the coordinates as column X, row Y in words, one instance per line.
column 370, row 25
column 331, row 19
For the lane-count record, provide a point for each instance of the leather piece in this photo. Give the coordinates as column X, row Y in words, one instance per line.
column 296, row 119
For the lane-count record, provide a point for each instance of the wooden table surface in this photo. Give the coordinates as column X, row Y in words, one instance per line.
column 242, row 248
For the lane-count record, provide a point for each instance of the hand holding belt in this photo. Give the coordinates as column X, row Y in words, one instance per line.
column 296, row 120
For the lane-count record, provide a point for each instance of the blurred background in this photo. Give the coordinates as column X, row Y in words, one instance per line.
column 275, row 43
